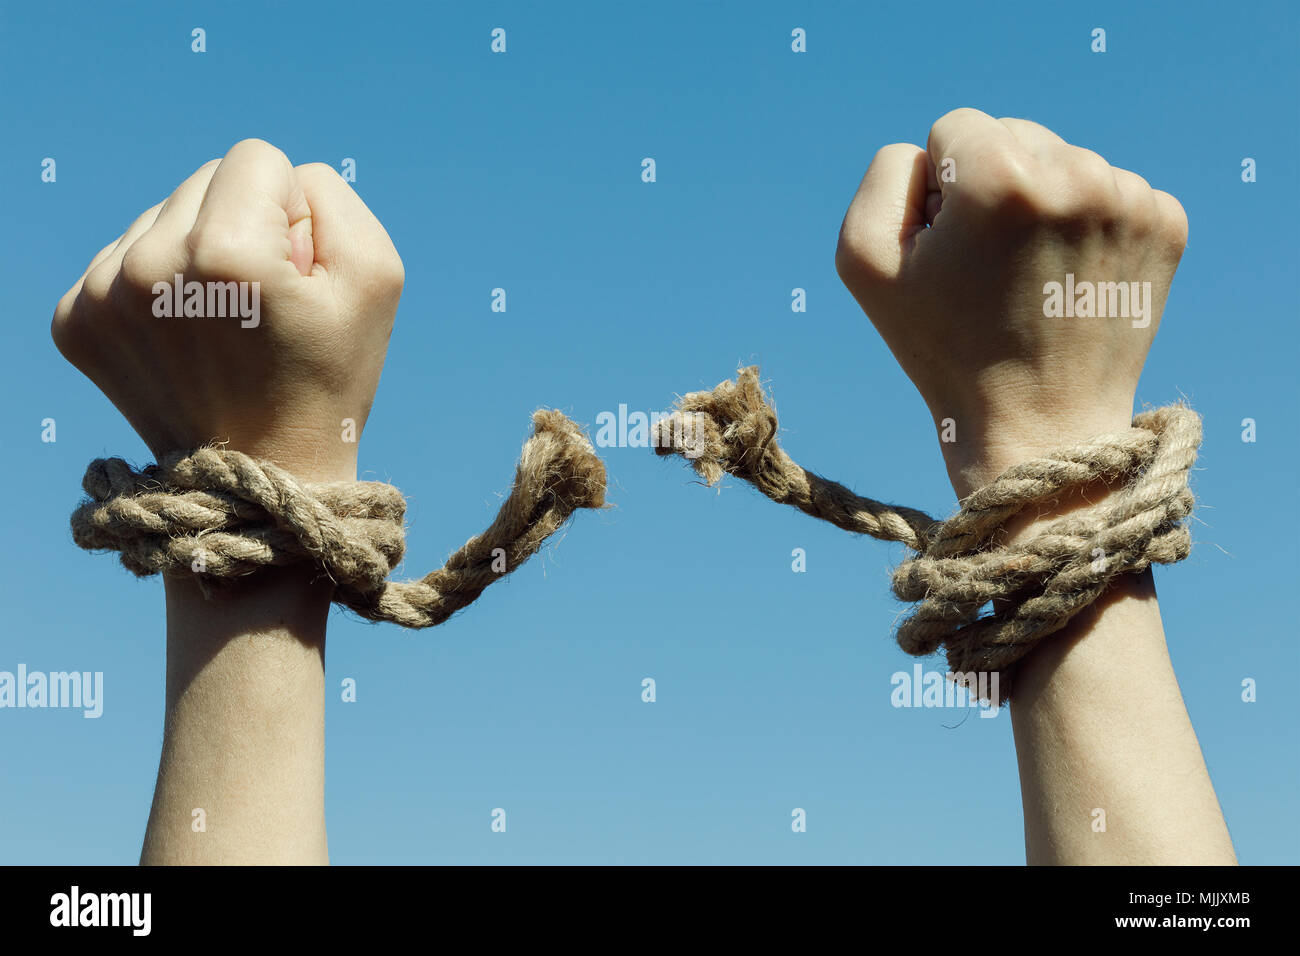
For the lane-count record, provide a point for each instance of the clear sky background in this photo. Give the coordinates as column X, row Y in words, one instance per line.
column 523, row 171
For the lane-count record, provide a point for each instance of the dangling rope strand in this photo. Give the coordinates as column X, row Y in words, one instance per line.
column 224, row 515
column 1039, row 583
column 732, row 430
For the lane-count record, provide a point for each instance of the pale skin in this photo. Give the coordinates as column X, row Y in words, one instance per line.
column 244, row 737
column 1099, row 721
column 952, row 274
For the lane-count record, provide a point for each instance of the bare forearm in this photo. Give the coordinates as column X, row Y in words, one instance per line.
column 242, row 773
column 1110, row 768
column 241, row 779
column 1103, row 739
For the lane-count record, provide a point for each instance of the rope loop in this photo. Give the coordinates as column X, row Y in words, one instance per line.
column 224, row 515
column 961, row 566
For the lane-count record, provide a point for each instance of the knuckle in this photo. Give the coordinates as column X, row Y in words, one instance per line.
column 856, row 261
column 61, row 323
column 957, row 115
column 1006, row 185
column 1139, row 201
column 1093, row 194
column 385, row 274
column 392, row 271
column 95, row 287
column 885, row 152
column 218, row 254
column 1173, row 220
column 64, row 306
column 141, row 267
column 947, row 124
column 852, row 252
column 256, row 148
column 1088, row 158
column 1128, row 180
column 848, row 258
column 146, row 219
column 69, row 329
column 320, row 169
column 103, row 253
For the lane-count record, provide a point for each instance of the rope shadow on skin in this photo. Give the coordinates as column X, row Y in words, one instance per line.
column 226, row 515
column 1039, row 584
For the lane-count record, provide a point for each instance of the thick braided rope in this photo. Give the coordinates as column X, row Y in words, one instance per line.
column 224, row 515
column 1038, row 584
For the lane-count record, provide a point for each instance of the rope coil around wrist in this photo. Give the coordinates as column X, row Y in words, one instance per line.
column 959, row 567
column 225, row 515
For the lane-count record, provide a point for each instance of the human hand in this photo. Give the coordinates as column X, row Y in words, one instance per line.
column 302, row 342
column 1010, row 207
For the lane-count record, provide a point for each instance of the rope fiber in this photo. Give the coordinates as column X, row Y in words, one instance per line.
column 224, row 515
column 960, row 565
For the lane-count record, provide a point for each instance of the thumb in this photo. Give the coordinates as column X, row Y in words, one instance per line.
column 887, row 212
column 253, row 203
column 350, row 245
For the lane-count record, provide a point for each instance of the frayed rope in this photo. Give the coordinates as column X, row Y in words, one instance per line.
column 1039, row 583
column 224, row 515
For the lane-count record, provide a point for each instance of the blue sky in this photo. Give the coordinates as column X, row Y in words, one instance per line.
column 522, row 171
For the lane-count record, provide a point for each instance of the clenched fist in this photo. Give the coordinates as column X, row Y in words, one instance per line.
column 1018, row 280
column 253, row 306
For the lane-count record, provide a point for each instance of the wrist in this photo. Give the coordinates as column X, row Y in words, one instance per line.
column 979, row 446
column 285, row 601
column 311, row 455
column 272, row 623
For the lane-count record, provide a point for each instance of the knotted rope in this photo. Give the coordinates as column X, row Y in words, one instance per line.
column 224, row 515
column 1039, row 583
